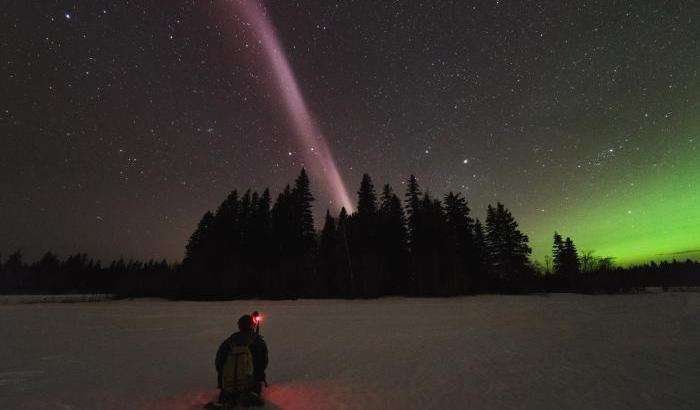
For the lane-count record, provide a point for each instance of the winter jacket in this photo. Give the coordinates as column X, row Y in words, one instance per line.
column 258, row 350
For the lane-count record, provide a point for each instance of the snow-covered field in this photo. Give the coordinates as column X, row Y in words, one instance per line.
column 483, row 352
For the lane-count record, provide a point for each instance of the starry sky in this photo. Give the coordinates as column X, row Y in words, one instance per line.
column 122, row 122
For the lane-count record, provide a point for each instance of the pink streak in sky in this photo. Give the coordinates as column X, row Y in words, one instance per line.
column 317, row 154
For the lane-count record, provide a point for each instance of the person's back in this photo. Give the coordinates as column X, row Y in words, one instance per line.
column 236, row 375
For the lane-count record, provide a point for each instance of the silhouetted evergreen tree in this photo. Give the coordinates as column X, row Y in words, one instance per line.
column 483, row 277
column 302, row 199
column 346, row 276
column 294, row 239
column 364, row 241
column 328, row 261
column 198, row 264
column 283, row 236
column 413, row 206
column 557, row 253
column 431, row 252
column 197, row 250
column 393, row 240
column 220, row 279
column 244, row 268
column 261, row 249
column 15, row 271
column 413, row 222
column 461, row 254
column 566, row 262
column 572, row 265
column 508, row 247
column 305, row 236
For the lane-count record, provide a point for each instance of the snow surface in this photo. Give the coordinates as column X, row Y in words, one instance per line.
column 484, row 352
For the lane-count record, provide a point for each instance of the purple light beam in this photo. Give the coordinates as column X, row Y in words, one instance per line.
column 316, row 152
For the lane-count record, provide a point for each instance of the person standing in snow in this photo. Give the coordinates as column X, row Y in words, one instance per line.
column 240, row 363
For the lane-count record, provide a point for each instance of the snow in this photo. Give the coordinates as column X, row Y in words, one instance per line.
column 483, row 352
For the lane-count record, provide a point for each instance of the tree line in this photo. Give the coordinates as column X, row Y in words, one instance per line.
column 418, row 245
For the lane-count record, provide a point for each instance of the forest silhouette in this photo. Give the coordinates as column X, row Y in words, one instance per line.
column 422, row 245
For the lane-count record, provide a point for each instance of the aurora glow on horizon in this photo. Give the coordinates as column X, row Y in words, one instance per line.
column 662, row 222
column 313, row 145
column 656, row 219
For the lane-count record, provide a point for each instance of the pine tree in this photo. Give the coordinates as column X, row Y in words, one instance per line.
column 346, row 276
column 364, row 240
column 244, row 269
column 14, row 272
column 46, row 270
column 461, row 250
column 367, row 198
column 262, row 245
column 302, row 210
column 428, row 248
column 284, row 245
column 571, row 261
column 304, row 237
column 197, row 247
column 482, row 257
column 221, row 279
column 565, row 257
column 413, row 226
column 413, row 205
column 558, row 253
column 327, row 257
column 393, row 239
column 508, row 247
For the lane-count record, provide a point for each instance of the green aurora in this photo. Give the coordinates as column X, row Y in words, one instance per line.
column 657, row 218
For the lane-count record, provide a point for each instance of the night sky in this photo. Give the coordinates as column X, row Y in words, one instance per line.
column 122, row 122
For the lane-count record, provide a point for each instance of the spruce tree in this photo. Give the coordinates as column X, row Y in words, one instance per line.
column 284, row 241
column 262, row 244
column 367, row 198
column 302, row 210
column 565, row 258
column 413, row 204
column 304, row 237
column 223, row 277
column 461, row 249
column 393, row 239
column 428, row 248
column 198, row 262
column 364, row 240
column 508, row 247
column 482, row 258
column 14, row 272
column 557, row 253
column 47, row 272
column 196, row 248
column 327, row 257
column 346, row 276
column 413, row 226
column 571, row 260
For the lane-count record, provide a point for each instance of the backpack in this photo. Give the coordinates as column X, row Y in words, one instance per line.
column 237, row 374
